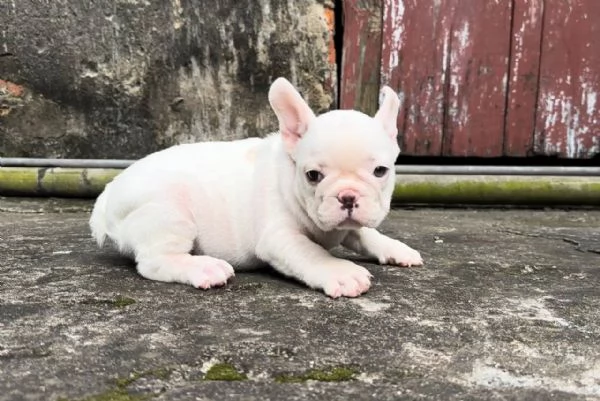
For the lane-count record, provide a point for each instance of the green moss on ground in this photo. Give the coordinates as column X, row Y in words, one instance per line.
column 225, row 372
column 120, row 393
column 117, row 394
column 121, row 302
column 332, row 374
column 118, row 302
column 161, row 373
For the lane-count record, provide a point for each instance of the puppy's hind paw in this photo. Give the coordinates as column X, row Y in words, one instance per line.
column 206, row 272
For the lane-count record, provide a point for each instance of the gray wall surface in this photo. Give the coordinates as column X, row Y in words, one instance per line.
column 122, row 78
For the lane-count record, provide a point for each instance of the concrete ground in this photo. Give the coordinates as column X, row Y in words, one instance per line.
column 506, row 308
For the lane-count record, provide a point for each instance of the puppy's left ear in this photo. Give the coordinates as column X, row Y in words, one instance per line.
column 292, row 111
column 388, row 111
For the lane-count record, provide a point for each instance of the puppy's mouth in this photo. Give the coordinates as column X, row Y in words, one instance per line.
column 345, row 223
column 349, row 223
column 331, row 215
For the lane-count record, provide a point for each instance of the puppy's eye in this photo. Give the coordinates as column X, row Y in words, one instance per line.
column 314, row 176
column 380, row 171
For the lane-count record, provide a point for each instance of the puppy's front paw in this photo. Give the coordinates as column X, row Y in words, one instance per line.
column 396, row 253
column 346, row 279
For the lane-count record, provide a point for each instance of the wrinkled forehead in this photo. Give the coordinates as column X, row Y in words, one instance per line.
column 346, row 139
column 344, row 122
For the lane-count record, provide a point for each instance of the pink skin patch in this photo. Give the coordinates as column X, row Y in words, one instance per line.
column 180, row 194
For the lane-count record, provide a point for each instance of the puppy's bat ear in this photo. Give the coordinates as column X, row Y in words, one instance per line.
column 293, row 113
column 388, row 111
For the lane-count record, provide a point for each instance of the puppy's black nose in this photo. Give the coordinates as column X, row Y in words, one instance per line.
column 347, row 201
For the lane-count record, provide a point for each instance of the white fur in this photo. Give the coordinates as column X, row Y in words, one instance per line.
column 189, row 213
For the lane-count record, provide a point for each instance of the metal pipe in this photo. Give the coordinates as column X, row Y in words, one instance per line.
column 61, row 182
column 557, row 171
column 410, row 189
column 430, row 189
column 66, row 163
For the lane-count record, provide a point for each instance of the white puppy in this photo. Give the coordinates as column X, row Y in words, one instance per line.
column 191, row 212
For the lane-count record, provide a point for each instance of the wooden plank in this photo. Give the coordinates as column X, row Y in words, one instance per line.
column 478, row 48
column 523, row 78
column 412, row 63
column 449, row 61
column 568, row 118
column 361, row 55
column 330, row 84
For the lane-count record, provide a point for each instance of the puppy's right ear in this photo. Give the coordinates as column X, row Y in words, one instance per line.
column 293, row 113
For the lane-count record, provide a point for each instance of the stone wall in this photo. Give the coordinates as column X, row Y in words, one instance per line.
column 122, row 78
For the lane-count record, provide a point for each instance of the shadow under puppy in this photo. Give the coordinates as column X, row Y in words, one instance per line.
column 189, row 213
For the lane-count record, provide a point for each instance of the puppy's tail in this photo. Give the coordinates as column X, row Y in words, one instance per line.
column 98, row 218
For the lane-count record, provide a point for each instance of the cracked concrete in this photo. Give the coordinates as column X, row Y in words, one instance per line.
column 507, row 307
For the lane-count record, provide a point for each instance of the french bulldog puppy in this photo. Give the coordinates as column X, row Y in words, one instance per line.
column 190, row 213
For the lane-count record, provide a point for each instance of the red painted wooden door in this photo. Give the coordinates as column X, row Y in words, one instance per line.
column 479, row 78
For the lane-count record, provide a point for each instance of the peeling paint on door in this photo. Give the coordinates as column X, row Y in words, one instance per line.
column 487, row 79
column 568, row 119
column 359, row 86
column 524, row 77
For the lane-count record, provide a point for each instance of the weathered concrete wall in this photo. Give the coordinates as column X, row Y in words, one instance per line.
column 121, row 78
